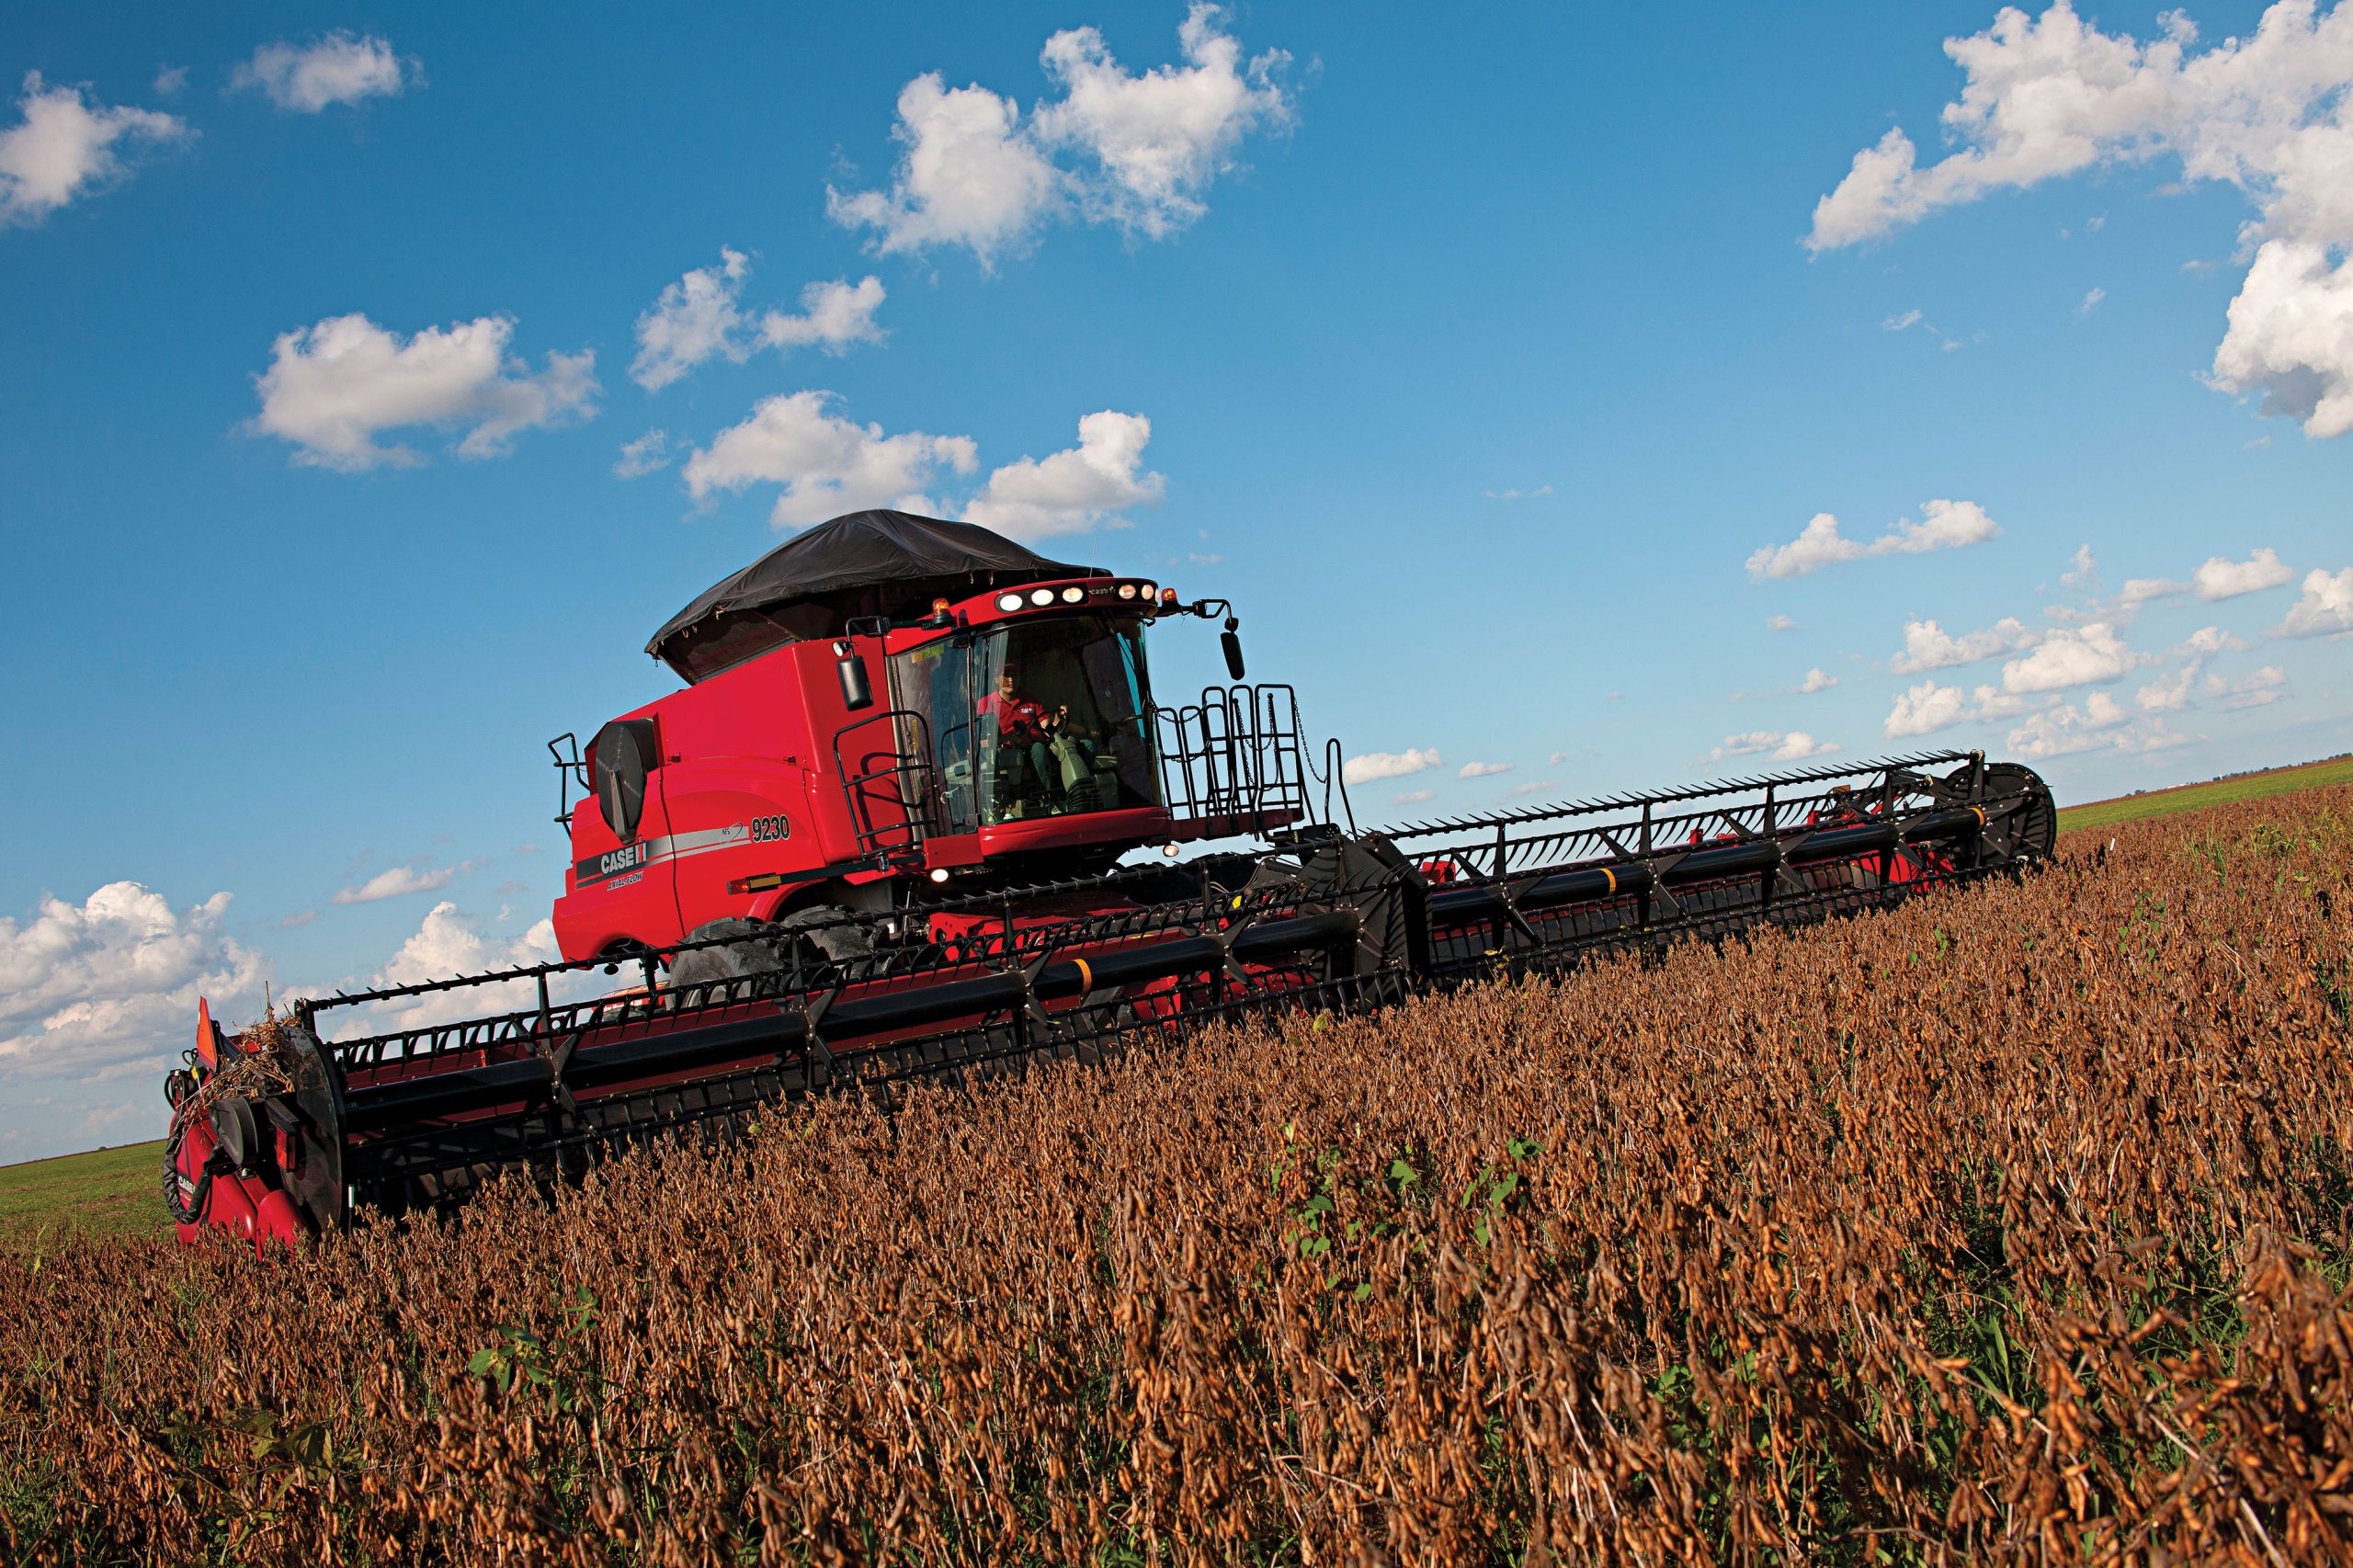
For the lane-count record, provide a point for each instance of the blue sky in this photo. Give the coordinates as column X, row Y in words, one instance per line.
column 1497, row 369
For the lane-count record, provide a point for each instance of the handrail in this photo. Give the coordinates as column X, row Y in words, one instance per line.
column 918, row 817
column 1238, row 754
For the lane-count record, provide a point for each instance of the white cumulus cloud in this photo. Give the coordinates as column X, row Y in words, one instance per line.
column 1376, row 764
column 1780, row 745
column 2083, row 655
column 448, row 943
column 1928, row 646
column 2267, row 112
column 2208, row 641
column 1818, row 544
column 331, row 389
column 1993, row 704
column 702, row 317
column 2325, row 608
column 2100, row 723
column 649, row 453
column 340, row 68
column 1943, row 525
column 2168, row 693
column 110, row 984
column 1484, row 770
column 826, row 464
column 399, row 881
column 2222, row 578
column 1816, row 679
column 1156, row 140
column 2138, row 591
column 1140, row 150
column 1927, row 708
column 68, row 145
column 2267, row 685
column 833, row 317
column 968, row 175
column 2291, row 332
column 695, row 319
column 1076, row 489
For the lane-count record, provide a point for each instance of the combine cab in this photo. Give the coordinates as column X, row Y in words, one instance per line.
column 880, row 836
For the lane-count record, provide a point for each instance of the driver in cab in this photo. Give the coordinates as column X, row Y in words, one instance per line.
column 1027, row 729
column 1018, row 719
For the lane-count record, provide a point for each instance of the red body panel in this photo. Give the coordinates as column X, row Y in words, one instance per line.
column 744, row 789
column 248, row 1208
column 745, row 763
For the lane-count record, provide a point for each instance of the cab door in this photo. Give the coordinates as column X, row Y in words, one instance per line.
column 932, row 695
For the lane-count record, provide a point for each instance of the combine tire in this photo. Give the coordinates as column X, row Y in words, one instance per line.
column 834, row 943
column 765, row 947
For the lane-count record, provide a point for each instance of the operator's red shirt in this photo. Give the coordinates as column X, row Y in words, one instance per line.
column 1016, row 718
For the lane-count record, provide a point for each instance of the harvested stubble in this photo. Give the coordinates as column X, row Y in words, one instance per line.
column 2011, row 1224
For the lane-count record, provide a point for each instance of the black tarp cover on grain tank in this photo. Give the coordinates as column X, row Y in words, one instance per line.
column 877, row 563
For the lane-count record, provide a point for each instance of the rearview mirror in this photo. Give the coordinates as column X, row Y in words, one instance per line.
column 623, row 752
column 857, row 688
column 1230, row 640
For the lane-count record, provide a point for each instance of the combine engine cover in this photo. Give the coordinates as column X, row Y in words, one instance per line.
column 287, row 1128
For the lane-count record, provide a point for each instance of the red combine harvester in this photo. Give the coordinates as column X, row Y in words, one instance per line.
column 880, row 835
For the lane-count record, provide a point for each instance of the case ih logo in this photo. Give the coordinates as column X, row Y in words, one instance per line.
column 613, row 862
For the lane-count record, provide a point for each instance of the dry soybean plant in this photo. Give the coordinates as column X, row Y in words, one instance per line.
column 2010, row 1225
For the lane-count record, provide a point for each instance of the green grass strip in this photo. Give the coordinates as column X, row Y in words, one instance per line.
column 2190, row 797
column 108, row 1192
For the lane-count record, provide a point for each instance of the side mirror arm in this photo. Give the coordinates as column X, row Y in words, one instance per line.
column 1230, row 640
column 857, row 686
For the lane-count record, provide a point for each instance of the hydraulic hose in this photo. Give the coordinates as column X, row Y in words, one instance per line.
column 216, row 1164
